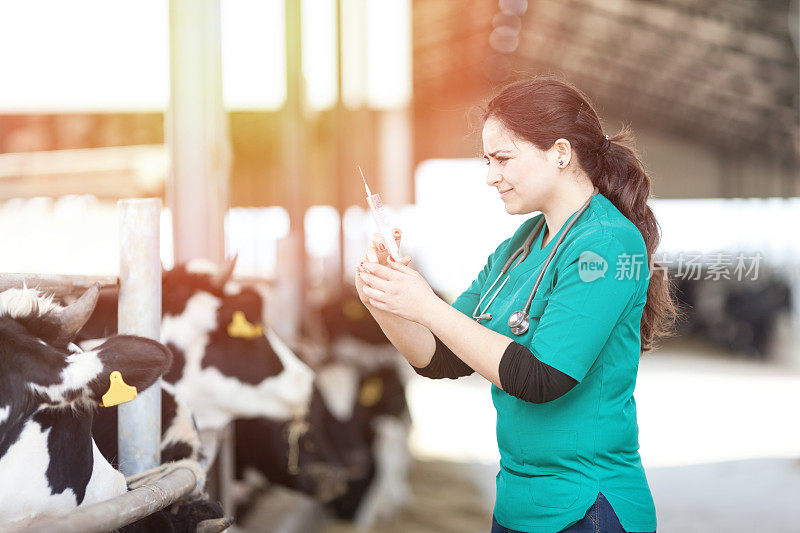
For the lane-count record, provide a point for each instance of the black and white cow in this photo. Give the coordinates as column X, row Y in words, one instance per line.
column 49, row 387
column 737, row 315
column 352, row 453
column 227, row 363
column 355, row 340
column 349, row 452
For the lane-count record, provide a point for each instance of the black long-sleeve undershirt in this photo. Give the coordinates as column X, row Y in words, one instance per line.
column 444, row 364
column 521, row 374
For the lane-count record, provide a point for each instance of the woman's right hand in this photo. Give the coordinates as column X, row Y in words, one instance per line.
column 376, row 252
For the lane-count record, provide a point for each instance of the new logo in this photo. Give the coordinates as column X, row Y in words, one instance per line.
column 591, row 266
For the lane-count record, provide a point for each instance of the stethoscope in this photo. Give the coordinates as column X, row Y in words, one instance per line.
column 519, row 320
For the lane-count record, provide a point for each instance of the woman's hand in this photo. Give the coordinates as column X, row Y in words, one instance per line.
column 376, row 252
column 398, row 289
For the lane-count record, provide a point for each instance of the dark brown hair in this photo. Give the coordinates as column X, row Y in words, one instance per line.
column 542, row 110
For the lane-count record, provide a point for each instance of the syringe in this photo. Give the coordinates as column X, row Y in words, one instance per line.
column 379, row 214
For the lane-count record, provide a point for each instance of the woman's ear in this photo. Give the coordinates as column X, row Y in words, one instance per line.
column 561, row 153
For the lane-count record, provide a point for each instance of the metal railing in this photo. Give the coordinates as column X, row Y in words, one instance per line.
column 124, row 509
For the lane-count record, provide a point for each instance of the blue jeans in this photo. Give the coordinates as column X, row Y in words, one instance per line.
column 600, row 518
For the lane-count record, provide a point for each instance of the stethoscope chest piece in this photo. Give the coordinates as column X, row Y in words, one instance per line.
column 518, row 322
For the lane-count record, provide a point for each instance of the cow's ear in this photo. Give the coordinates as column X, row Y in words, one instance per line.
column 139, row 360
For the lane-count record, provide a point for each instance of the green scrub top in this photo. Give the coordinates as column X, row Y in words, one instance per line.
column 584, row 321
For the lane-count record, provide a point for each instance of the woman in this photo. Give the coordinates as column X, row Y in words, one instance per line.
column 563, row 388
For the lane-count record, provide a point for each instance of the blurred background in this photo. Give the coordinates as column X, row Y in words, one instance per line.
column 248, row 118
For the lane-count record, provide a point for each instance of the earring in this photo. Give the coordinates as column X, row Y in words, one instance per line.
column 561, row 163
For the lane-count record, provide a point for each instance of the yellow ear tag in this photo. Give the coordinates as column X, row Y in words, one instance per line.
column 371, row 392
column 241, row 328
column 354, row 310
column 118, row 392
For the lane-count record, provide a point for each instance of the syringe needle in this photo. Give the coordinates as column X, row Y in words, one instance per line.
column 369, row 193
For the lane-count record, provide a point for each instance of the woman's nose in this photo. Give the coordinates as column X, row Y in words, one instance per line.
column 493, row 176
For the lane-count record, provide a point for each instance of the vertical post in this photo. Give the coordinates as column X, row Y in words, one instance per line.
column 139, row 428
column 227, row 469
column 390, row 88
column 196, row 131
column 339, row 152
column 395, row 153
column 292, row 252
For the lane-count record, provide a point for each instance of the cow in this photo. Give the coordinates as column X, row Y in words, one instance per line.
column 226, row 363
column 351, row 451
column 752, row 312
column 739, row 316
column 354, row 338
column 49, row 388
column 345, row 452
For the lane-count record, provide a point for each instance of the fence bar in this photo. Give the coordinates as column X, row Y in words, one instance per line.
column 59, row 284
column 139, row 428
column 227, row 470
column 124, row 509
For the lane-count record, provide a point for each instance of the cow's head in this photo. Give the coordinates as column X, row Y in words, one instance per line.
column 228, row 362
column 39, row 363
column 47, row 389
column 347, row 316
column 350, row 334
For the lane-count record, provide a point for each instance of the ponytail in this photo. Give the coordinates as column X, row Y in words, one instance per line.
column 621, row 178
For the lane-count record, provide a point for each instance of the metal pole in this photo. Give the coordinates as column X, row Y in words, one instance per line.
column 139, row 428
column 60, row 285
column 122, row 510
column 293, row 258
column 227, row 470
column 341, row 173
column 196, row 130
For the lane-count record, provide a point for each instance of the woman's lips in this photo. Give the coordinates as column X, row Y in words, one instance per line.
column 505, row 191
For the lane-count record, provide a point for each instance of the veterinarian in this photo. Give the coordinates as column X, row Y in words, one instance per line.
column 556, row 320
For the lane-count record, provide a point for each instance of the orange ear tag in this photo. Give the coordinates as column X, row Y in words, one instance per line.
column 118, row 392
column 241, row 328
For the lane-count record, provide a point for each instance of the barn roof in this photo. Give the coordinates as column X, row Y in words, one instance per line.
column 724, row 72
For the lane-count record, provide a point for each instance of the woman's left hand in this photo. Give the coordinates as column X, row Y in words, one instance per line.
column 398, row 289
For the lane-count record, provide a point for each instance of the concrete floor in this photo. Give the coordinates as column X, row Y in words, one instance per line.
column 731, row 496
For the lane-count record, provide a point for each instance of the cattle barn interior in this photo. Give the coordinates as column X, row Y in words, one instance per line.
column 244, row 124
